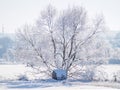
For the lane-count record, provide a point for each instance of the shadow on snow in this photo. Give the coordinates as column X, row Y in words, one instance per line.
column 35, row 84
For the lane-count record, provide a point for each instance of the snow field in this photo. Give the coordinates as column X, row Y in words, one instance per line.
column 83, row 87
column 11, row 72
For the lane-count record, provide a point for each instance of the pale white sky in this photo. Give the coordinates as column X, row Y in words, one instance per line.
column 15, row 13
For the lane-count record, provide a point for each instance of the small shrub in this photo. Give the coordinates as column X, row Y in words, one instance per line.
column 23, row 78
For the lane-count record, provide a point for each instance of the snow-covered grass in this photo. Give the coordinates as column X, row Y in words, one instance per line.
column 10, row 72
column 69, row 88
column 3, row 88
column 9, row 80
column 52, row 86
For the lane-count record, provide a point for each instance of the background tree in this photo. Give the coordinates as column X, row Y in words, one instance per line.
column 116, row 40
column 116, row 49
column 65, row 40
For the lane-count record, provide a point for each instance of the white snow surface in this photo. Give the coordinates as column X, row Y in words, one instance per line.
column 8, row 72
column 82, row 87
column 11, row 72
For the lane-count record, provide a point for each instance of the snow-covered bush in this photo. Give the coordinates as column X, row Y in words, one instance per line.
column 100, row 76
column 59, row 74
column 23, row 78
column 109, row 73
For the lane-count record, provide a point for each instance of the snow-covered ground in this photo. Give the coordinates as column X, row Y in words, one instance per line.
column 8, row 72
column 11, row 72
column 52, row 85
column 67, row 88
column 80, row 87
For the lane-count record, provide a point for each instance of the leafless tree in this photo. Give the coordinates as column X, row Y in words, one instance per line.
column 63, row 40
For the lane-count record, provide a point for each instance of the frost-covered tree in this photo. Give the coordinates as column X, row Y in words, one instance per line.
column 66, row 40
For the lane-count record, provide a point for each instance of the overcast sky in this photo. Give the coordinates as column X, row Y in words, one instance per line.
column 15, row 13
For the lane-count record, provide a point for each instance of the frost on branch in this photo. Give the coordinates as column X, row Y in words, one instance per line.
column 64, row 40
